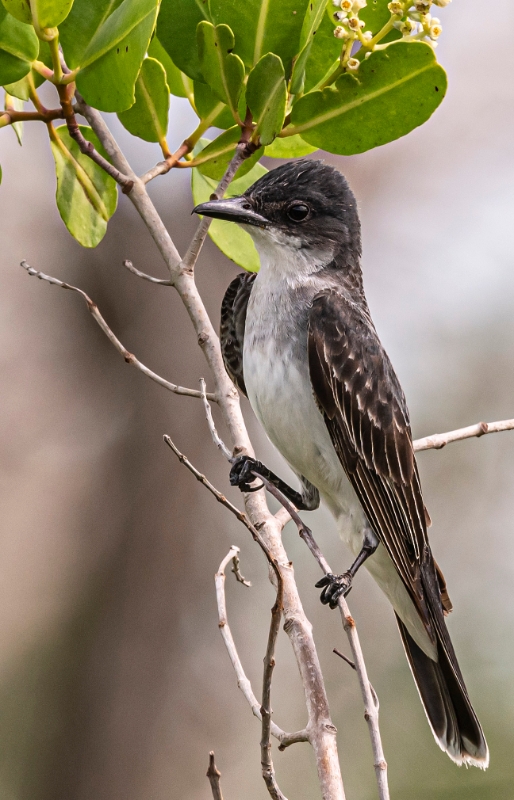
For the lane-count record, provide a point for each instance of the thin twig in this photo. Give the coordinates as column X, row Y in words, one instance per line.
column 220, row 444
column 352, row 665
column 164, row 166
column 368, row 693
column 131, row 268
column 214, row 776
column 237, row 572
column 268, row 770
column 130, row 358
column 243, row 683
column 439, row 440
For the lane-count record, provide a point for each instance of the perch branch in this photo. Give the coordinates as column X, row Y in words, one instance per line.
column 220, row 444
column 214, row 776
column 322, row 733
column 129, row 357
column 368, row 693
column 131, row 268
column 439, row 440
column 268, row 770
column 243, row 683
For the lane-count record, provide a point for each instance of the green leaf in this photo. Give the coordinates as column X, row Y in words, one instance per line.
column 266, row 95
column 17, row 127
column 19, row 89
column 50, row 13
column 20, row 9
column 108, row 48
column 86, row 196
column 311, row 23
column 324, row 52
column 148, row 117
column 394, row 91
column 262, row 26
column 291, row 147
column 214, row 158
column 232, row 240
column 176, row 29
column 375, row 14
column 222, row 70
column 209, row 107
column 179, row 84
column 18, row 47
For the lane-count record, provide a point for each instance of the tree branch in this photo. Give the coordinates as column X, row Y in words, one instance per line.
column 439, row 440
column 368, row 693
column 131, row 268
column 243, row 683
column 214, row 776
column 130, row 358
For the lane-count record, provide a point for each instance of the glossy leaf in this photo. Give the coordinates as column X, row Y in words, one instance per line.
column 86, row 196
column 266, row 95
column 20, row 10
column 222, row 70
column 17, row 104
column 176, row 29
column 18, row 47
column 311, row 23
column 209, row 107
column 50, row 13
column 394, row 91
column 260, row 27
column 19, row 89
column 148, row 117
column 214, row 158
column 375, row 14
column 232, row 240
column 178, row 83
column 110, row 60
column 290, row 147
column 323, row 54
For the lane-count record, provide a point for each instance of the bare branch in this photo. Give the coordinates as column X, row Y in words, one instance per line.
column 235, row 569
column 131, row 268
column 214, row 776
column 243, row 683
column 439, row 440
column 164, row 166
column 130, row 358
column 368, row 693
column 220, row 444
column 268, row 770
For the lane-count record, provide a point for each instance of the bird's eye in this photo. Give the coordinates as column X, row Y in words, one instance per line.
column 298, row 212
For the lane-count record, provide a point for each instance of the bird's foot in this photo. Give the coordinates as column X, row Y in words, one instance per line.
column 242, row 473
column 333, row 587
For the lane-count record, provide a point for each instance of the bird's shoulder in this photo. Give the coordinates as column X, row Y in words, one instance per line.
column 232, row 325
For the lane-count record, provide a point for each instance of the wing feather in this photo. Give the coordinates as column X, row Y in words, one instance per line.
column 232, row 326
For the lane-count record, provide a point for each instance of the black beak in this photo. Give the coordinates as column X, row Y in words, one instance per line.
column 236, row 209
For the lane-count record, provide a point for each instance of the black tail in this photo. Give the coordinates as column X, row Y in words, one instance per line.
column 451, row 716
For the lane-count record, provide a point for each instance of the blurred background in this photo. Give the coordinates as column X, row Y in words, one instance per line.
column 114, row 681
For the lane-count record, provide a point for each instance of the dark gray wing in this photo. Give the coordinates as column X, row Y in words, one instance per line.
column 366, row 414
column 232, row 326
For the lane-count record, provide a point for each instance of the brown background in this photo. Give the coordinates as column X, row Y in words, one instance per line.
column 114, row 682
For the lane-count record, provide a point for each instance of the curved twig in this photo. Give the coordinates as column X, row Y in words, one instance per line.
column 130, row 358
column 131, row 268
column 439, row 440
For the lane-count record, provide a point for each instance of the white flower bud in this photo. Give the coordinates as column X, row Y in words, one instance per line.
column 396, row 7
column 341, row 33
column 367, row 36
column 340, row 15
column 336, row 3
column 423, row 6
column 346, row 5
column 358, row 4
column 354, row 23
column 436, row 29
column 353, row 64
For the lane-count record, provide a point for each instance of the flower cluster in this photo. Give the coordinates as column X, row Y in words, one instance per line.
column 415, row 22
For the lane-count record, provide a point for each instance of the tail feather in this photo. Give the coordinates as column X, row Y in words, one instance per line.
column 451, row 716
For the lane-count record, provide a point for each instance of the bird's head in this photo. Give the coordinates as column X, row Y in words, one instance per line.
column 302, row 206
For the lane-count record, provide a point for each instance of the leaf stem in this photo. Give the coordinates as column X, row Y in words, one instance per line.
column 56, row 59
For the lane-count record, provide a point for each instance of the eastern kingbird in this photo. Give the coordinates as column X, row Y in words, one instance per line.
column 299, row 341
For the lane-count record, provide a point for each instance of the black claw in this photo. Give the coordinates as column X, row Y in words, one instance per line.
column 241, row 474
column 334, row 587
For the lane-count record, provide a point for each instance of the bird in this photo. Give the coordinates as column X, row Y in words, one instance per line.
column 298, row 340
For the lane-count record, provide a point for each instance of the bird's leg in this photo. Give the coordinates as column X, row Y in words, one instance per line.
column 244, row 471
column 336, row 585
